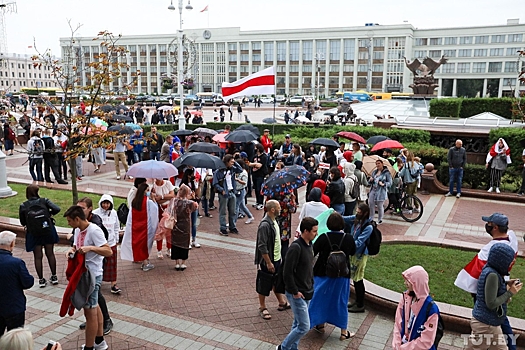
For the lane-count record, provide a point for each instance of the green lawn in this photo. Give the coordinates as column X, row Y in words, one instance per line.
column 9, row 206
column 442, row 265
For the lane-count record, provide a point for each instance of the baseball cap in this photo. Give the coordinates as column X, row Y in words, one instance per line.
column 497, row 218
column 243, row 155
column 287, row 136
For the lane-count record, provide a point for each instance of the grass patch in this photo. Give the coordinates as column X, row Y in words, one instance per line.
column 442, row 265
column 9, row 206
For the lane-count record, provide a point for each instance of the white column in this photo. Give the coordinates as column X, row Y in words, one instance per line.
column 454, row 88
column 484, row 88
column 5, row 190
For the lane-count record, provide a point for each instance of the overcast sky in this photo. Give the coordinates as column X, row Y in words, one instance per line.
column 46, row 20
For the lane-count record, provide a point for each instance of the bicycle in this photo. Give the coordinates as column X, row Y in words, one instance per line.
column 405, row 206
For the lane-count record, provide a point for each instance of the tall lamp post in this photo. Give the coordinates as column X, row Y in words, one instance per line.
column 318, row 57
column 180, row 64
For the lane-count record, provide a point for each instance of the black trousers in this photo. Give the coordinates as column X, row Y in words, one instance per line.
column 62, row 166
column 51, row 164
column 12, row 322
column 103, row 306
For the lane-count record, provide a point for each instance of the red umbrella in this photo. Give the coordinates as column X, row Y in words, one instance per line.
column 219, row 138
column 387, row 144
column 199, row 113
column 351, row 136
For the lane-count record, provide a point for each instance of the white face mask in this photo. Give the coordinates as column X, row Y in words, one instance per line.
column 318, row 172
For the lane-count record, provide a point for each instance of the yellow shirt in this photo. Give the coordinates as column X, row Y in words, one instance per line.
column 277, row 247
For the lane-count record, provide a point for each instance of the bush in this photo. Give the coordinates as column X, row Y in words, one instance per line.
column 129, row 103
column 329, row 104
column 427, row 153
column 474, row 175
column 514, row 138
column 468, row 107
column 447, row 107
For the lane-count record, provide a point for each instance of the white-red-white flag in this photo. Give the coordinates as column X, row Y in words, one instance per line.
column 205, row 9
column 260, row 83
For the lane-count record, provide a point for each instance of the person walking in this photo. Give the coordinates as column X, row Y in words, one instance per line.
column 224, row 182
column 521, row 191
column 457, row 159
column 298, row 282
column 183, row 206
column 380, row 181
column 497, row 160
column 119, row 156
column 241, row 181
column 15, row 278
column 35, row 150
column 36, row 215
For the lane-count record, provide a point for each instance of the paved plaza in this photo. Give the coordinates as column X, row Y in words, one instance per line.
column 213, row 303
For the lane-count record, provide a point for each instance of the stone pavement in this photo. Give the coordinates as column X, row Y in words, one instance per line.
column 213, row 303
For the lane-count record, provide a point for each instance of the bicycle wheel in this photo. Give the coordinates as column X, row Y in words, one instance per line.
column 408, row 211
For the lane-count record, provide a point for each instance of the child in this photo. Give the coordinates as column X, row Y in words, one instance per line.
column 111, row 223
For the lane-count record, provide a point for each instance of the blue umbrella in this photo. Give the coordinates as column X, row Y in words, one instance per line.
column 134, row 127
column 285, row 180
column 152, row 169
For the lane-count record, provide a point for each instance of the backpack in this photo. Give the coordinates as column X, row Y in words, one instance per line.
column 11, row 134
column 337, row 262
column 38, row 218
column 122, row 213
column 373, row 243
column 355, row 190
column 38, row 147
column 440, row 325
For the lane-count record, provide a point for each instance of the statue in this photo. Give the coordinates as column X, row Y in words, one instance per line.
column 424, row 83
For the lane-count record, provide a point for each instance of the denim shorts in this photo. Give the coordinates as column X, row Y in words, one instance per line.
column 93, row 298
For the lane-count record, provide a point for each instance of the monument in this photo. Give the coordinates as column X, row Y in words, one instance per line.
column 424, row 82
column 5, row 190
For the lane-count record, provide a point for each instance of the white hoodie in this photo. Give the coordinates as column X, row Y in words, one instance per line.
column 349, row 180
column 109, row 219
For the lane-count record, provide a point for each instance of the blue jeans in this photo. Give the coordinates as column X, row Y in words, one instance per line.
column 154, row 155
column 300, row 325
column 194, row 224
column 340, row 208
column 507, row 329
column 241, row 206
column 227, row 202
column 455, row 174
column 92, row 301
column 36, row 163
column 257, row 185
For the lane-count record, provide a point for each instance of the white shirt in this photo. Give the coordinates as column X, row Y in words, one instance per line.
column 111, row 223
column 229, row 185
column 93, row 237
column 163, row 190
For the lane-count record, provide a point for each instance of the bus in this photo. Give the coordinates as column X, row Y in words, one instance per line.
column 50, row 91
column 351, row 96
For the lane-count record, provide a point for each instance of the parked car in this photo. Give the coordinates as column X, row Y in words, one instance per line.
column 296, row 99
column 266, row 100
column 280, row 98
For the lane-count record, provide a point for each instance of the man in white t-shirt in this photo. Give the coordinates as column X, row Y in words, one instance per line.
column 90, row 240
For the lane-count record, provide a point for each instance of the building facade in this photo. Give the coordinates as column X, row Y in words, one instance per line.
column 482, row 61
column 17, row 72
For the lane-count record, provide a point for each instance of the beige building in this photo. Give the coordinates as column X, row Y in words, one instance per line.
column 17, row 71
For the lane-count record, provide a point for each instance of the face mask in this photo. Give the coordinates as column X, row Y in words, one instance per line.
column 148, row 194
column 318, row 172
column 489, row 229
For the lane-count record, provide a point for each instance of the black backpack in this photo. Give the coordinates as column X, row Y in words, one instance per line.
column 373, row 243
column 440, row 325
column 355, row 190
column 38, row 147
column 38, row 218
column 337, row 262
column 122, row 213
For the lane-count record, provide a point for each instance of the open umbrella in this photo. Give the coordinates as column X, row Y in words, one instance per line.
column 269, row 121
column 375, row 139
column 204, row 147
column 199, row 113
column 330, row 114
column 387, row 144
column 220, row 138
column 121, row 118
column 240, row 136
column 152, row 169
column 107, row 108
column 251, row 128
column 200, row 160
column 122, row 130
column 134, row 126
column 351, row 136
column 165, row 108
column 124, row 108
column 183, row 132
column 302, row 119
column 324, row 142
column 369, row 165
column 203, row 132
column 285, row 180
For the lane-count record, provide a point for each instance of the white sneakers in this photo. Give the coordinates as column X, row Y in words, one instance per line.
column 101, row 346
column 497, row 190
column 490, row 189
column 118, row 177
column 195, row 244
column 250, row 220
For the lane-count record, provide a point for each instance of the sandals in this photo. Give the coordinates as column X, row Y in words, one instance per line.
column 346, row 336
column 319, row 328
column 284, row 307
column 265, row 314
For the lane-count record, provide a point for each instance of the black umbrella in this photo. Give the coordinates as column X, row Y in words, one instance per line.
column 375, row 139
column 200, row 160
column 330, row 114
column 203, row 132
column 269, row 121
column 182, row 133
column 240, row 136
column 324, row 142
column 107, row 108
column 124, row 108
column 251, row 128
column 121, row 129
column 121, row 118
column 204, row 147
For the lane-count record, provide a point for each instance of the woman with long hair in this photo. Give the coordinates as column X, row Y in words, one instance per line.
column 188, row 179
column 329, row 303
column 182, row 208
column 36, row 215
column 497, row 160
column 141, row 224
column 380, row 181
column 336, row 190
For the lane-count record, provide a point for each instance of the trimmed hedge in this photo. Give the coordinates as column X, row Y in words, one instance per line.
column 468, row 107
column 476, row 176
column 427, row 153
column 447, row 107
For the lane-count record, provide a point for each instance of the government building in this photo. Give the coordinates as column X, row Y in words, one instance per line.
column 482, row 61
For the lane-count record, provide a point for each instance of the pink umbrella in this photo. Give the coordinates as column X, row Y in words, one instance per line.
column 387, row 144
column 199, row 113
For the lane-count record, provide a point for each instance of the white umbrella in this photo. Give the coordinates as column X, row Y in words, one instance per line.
column 165, row 108
column 302, row 119
column 152, row 169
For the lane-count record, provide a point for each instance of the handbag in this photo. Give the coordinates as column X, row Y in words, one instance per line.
column 170, row 220
column 264, row 283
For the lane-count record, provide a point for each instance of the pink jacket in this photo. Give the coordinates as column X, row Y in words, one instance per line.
column 418, row 277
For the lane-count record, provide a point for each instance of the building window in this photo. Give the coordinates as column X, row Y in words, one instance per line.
column 421, row 41
column 256, row 45
column 377, row 68
column 363, row 42
column 362, row 68
column 464, row 67
column 334, row 68
column 244, row 46
column 321, row 47
column 349, row 50
column 498, row 39
column 232, row 46
column 142, row 49
column 378, row 55
column 451, row 40
column 281, row 68
column 479, row 67
column 294, row 68
column 377, row 81
column 512, row 51
column 245, row 57
column 268, row 51
column 162, row 48
column 232, row 69
column 480, row 52
column 348, row 68
column 515, row 38
column 482, row 39
column 465, row 40
column 495, row 67
column 348, row 80
column 448, row 68
column 335, row 50
column 497, row 52
column 511, row 67
column 434, row 53
column 435, row 41
column 256, row 57
column 307, row 68
column 420, row 53
column 464, row 53
column 307, row 50
column 294, row 51
column 449, row 53
column 281, row 51
column 379, row 42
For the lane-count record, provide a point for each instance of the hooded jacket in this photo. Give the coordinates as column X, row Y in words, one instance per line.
column 423, row 332
column 322, row 186
column 109, row 219
column 313, row 208
column 350, row 180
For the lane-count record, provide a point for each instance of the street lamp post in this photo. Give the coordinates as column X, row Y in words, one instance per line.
column 318, row 57
column 180, row 65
